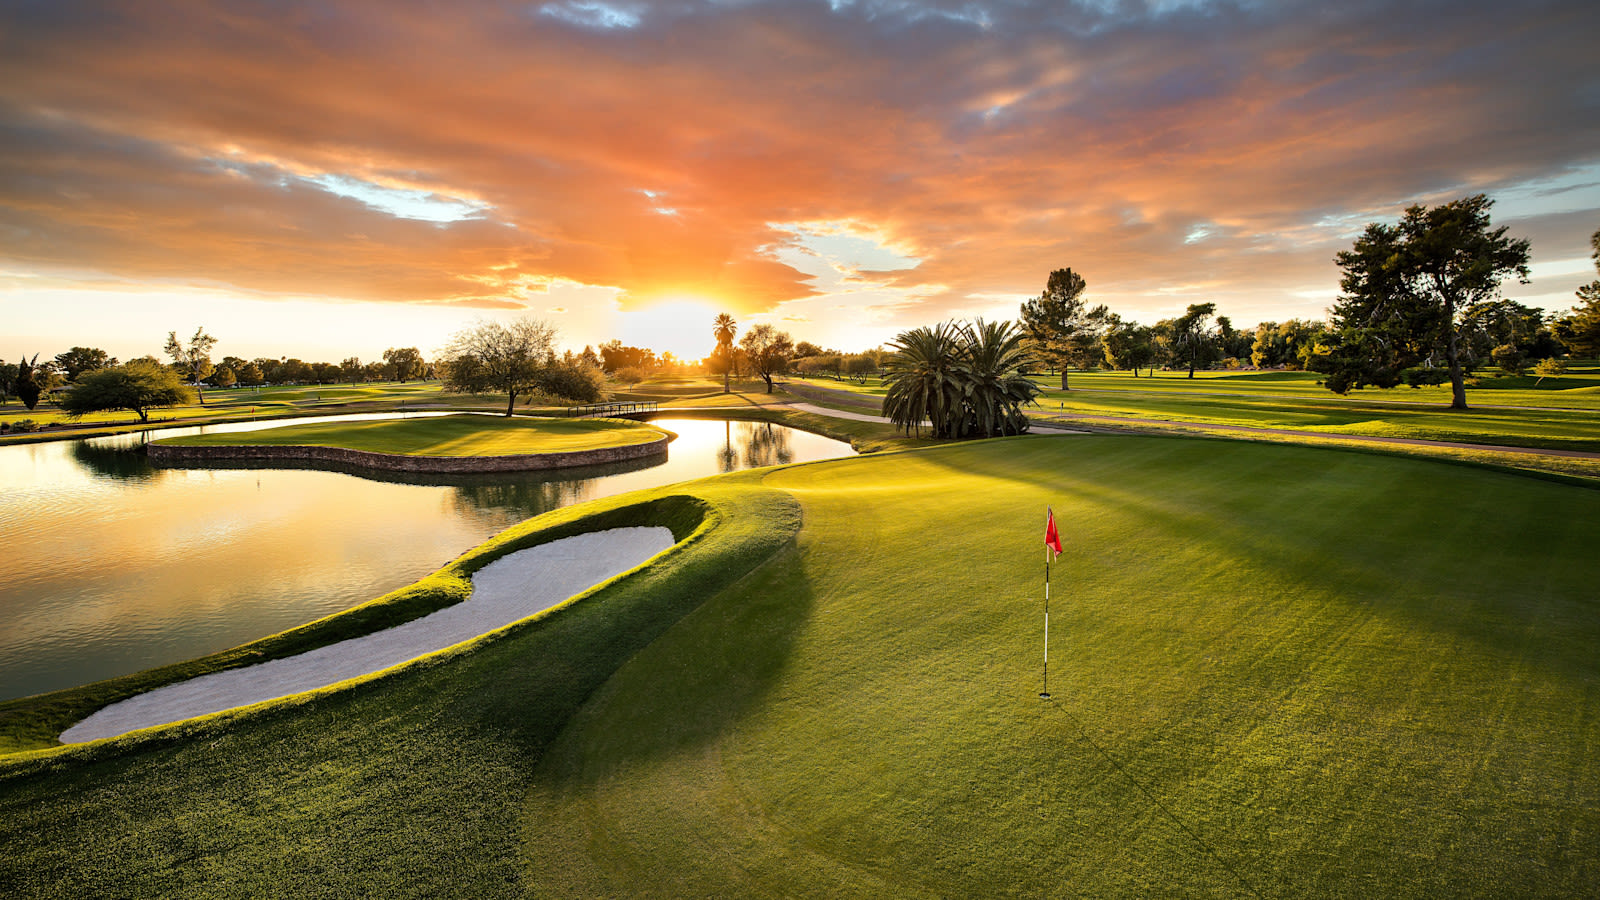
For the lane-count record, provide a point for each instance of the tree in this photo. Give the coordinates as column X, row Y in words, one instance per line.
column 923, row 382
column 1192, row 336
column 405, row 362
column 250, row 374
column 192, row 359
column 350, row 369
column 294, row 371
column 1233, row 342
column 964, row 380
column 615, row 356
column 8, row 380
column 860, row 365
column 1128, row 345
column 1490, row 325
column 994, row 390
column 137, row 387
column 1059, row 324
column 78, row 360
column 723, row 329
column 1579, row 329
column 574, row 379
column 805, row 349
column 1549, row 368
column 1407, row 287
column 768, row 349
column 27, row 387
column 1288, row 344
column 223, row 377
column 488, row 357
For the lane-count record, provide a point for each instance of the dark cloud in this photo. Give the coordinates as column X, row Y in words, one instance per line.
column 995, row 141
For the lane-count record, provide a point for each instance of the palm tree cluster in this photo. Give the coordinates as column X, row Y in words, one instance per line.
column 964, row 380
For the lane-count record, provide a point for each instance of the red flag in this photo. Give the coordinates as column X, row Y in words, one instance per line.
column 1051, row 538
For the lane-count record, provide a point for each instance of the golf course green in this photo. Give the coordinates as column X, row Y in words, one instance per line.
column 452, row 436
column 1275, row 670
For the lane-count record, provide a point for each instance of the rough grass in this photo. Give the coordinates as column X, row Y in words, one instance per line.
column 443, row 436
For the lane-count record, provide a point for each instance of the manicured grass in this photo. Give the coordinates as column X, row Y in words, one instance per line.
column 245, row 404
column 1567, row 419
column 443, row 436
column 1549, row 428
column 1277, row 670
column 1575, row 390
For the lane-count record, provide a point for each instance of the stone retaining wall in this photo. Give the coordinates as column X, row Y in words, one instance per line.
column 177, row 455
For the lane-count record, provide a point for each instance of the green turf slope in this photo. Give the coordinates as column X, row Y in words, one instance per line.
column 1276, row 670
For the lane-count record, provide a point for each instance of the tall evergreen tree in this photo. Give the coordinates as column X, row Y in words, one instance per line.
column 1579, row 329
column 1408, row 287
column 1059, row 324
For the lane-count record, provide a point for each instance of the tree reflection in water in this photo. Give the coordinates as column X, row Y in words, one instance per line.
column 113, row 462
column 766, row 445
column 758, row 444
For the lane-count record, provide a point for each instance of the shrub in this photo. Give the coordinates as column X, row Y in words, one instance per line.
column 1509, row 358
column 1417, row 376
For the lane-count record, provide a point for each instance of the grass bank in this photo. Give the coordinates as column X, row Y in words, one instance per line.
column 469, row 435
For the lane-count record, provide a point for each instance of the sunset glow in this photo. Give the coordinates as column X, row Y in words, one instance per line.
column 844, row 170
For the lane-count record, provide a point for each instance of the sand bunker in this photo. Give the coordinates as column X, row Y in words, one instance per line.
column 510, row 588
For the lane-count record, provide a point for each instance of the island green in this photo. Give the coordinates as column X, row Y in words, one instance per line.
column 447, row 436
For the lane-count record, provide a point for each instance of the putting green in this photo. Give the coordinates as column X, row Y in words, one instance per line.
column 447, row 436
column 1276, row 670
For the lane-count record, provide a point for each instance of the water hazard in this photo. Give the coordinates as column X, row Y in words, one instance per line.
column 113, row 566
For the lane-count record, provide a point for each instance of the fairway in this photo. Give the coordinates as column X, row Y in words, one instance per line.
column 1277, row 670
column 466, row 435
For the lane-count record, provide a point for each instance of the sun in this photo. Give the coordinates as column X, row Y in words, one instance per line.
column 677, row 325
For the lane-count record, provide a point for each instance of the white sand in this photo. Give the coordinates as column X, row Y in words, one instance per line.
column 510, row 588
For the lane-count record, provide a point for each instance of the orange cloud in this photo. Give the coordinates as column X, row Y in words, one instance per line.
column 661, row 148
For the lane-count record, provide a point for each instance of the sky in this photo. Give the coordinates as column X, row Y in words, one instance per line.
column 322, row 180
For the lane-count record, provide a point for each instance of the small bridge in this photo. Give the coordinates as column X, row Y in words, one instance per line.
column 626, row 409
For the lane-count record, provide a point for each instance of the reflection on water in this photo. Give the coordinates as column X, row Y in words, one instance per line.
column 758, row 444
column 116, row 566
column 113, row 462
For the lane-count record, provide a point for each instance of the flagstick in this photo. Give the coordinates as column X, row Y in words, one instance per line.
column 1045, row 694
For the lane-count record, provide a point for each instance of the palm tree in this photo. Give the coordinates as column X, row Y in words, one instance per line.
column 723, row 329
column 964, row 380
column 924, row 380
column 994, row 388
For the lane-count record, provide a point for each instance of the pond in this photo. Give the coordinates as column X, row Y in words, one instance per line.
column 113, row 566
